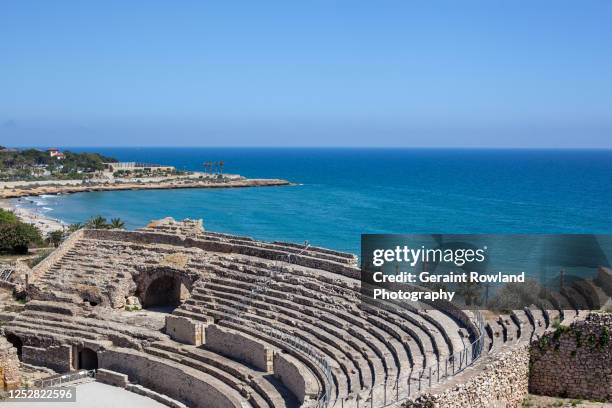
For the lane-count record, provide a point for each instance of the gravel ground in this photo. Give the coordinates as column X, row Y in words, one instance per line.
column 538, row 401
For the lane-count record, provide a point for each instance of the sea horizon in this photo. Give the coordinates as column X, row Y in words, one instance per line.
column 551, row 148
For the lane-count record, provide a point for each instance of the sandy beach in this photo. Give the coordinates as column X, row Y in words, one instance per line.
column 44, row 223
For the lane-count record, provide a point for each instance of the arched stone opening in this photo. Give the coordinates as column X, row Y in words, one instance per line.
column 165, row 291
column 88, row 359
column 90, row 302
column 16, row 342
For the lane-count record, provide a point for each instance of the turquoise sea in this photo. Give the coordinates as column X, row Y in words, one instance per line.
column 342, row 193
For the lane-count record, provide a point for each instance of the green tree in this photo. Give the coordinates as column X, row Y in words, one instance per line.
column 117, row 223
column 470, row 291
column 16, row 237
column 75, row 227
column 18, row 165
column 7, row 216
column 97, row 222
column 55, row 237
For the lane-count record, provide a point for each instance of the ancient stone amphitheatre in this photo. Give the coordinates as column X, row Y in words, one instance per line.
column 227, row 321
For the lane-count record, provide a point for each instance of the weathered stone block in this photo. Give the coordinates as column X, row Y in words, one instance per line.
column 111, row 378
column 297, row 378
column 185, row 330
column 57, row 358
column 240, row 347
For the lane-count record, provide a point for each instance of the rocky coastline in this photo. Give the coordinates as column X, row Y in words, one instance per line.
column 8, row 191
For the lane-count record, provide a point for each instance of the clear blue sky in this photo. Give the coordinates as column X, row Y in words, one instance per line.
column 311, row 72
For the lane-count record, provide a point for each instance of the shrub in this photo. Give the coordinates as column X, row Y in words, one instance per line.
column 7, row 216
column 16, row 237
column 55, row 237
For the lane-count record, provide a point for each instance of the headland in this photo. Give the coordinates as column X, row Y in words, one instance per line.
column 33, row 172
column 16, row 189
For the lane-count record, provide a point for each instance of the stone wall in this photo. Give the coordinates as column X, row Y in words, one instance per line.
column 7, row 285
column 223, row 247
column 185, row 227
column 290, row 372
column 239, row 346
column 40, row 269
column 572, row 362
column 57, row 358
column 181, row 383
column 161, row 398
column 10, row 378
column 350, row 258
column 185, row 330
column 495, row 382
column 575, row 361
column 111, row 378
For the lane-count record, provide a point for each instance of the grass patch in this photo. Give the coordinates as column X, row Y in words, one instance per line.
column 527, row 402
column 40, row 256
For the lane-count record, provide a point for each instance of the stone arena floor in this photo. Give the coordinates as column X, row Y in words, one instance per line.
column 94, row 395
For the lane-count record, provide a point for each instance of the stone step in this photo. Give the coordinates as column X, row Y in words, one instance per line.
column 50, row 328
column 350, row 332
column 232, row 398
column 433, row 331
column 569, row 315
column 523, row 327
column 39, row 333
column 51, row 306
column 100, row 326
column 361, row 362
column 292, row 249
column 273, row 392
column 417, row 328
column 508, row 328
column 539, row 320
column 240, row 386
column 340, row 384
column 338, row 356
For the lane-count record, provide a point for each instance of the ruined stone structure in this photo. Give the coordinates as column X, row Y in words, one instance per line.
column 570, row 360
column 575, row 361
column 9, row 366
column 229, row 321
column 499, row 380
